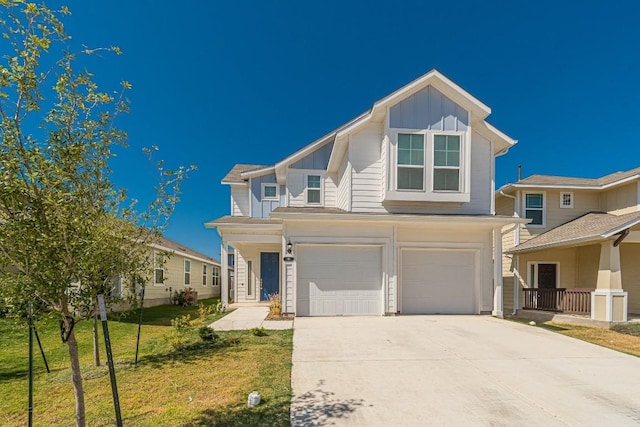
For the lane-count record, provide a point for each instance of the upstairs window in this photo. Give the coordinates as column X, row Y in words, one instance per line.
column 313, row 189
column 446, row 163
column 269, row 191
column 410, row 161
column 187, row 272
column 566, row 200
column 204, row 275
column 534, row 208
column 158, row 272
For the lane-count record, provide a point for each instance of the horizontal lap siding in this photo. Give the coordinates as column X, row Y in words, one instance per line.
column 344, row 185
column 629, row 256
column 239, row 201
column 365, row 158
column 330, row 191
column 620, row 200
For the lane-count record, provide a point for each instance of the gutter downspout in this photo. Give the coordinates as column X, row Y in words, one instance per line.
column 515, row 258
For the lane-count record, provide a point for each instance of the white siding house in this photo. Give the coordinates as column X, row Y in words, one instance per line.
column 390, row 213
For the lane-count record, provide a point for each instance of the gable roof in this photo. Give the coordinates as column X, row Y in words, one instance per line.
column 479, row 111
column 235, row 174
column 588, row 228
column 169, row 245
column 550, row 181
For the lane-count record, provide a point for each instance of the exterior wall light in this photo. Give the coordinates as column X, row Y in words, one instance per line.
column 289, row 256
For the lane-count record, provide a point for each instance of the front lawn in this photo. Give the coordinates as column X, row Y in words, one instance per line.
column 202, row 384
column 624, row 338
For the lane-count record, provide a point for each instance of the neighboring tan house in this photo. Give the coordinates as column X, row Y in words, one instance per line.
column 393, row 212
column 178, row 267
column 580, row 253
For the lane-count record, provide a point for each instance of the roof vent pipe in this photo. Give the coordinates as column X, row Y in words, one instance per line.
column 519, row 172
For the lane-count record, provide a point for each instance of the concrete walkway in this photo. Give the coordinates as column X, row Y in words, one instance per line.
column 244, row 318
column 455, row 371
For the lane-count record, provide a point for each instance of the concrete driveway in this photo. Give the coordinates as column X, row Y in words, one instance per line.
column 456, row 371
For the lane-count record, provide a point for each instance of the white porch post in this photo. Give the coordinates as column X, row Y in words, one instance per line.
column 609, row 301
column 224, row 274
column 498, row 298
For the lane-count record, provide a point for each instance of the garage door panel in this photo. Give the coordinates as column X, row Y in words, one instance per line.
column 336, row 280
column 438, row 281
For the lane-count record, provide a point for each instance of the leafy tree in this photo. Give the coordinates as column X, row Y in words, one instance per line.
column 66, row 231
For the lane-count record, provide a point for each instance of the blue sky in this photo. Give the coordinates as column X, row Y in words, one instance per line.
column 222, row 82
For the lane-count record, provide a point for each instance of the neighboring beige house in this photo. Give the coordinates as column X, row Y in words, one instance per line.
column 393, row 212
column 580, row 253
column 178, row 267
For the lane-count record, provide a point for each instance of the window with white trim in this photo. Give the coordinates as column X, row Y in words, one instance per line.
column 204, row 274
column 410, row 172
column 158, row 270
column 566, row 200
column 534, row 208
column 269, row 191
column 187, row 272
column 215, row 276
column 314, row 189
column 446, row 162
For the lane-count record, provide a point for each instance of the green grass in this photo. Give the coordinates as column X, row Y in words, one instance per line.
column 203, row 384
column 624, row 338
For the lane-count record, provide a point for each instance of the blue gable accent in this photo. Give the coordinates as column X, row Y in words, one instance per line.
column 319, row 159
column 428, row 109
column 262, row 208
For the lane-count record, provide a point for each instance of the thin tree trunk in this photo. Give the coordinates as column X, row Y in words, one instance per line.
column 76, row 377
column 96, row 346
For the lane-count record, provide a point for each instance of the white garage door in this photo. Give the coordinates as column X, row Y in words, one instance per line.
column 438, row 282
column 334, row 280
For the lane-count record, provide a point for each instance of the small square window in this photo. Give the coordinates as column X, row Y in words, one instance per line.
column 566, row 200
column 270, row 191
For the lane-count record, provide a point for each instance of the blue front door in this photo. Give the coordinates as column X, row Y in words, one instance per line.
column 269, row 274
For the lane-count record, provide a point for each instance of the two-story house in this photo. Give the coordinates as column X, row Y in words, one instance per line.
column 393, row 212
column 579, row 253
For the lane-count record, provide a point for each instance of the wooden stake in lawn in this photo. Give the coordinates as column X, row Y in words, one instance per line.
column 139, row 324
column 30, row 365
column 112, row 371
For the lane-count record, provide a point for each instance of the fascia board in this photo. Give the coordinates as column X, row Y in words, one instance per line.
column 621, row 228
column 444, row 85
column 257, row 172
column 400, row 218
column 581, row 240
column 184, row 254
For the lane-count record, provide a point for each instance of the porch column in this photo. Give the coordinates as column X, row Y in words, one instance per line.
column 498, row 297
column 609, row 301
column 224, row 274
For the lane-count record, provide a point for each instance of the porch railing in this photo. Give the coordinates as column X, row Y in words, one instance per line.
column 561, row 300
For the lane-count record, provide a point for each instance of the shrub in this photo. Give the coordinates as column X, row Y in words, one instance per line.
column 259, row 332
column 275, row 305
column 181, row 323
column 184, row 297
column 206, row 333
column 204, row 311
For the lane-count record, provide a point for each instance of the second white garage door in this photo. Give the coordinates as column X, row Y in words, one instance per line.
column 338, row 280
column 438, row 281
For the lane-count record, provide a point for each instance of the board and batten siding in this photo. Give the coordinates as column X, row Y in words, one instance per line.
column 319, row 159
column 262, row 208
column 239, row 200
column 428, row 109
column 365, row 159
column 620, row 200
column 344, row 185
